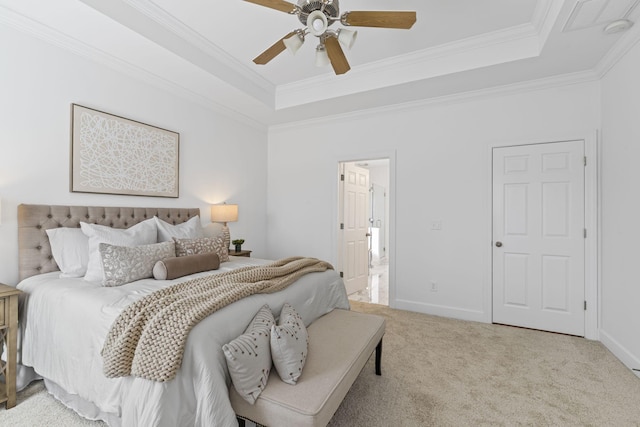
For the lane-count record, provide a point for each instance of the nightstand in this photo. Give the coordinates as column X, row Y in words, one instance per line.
column 8, row 336
column 239, row 253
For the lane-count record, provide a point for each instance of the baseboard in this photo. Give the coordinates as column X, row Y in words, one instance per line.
column 618, row 350
column 443, row 311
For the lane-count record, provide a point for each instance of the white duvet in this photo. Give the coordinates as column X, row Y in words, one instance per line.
column 65, row 322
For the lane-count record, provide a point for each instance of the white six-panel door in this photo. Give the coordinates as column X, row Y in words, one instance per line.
column 538, row 236
column 356, row 227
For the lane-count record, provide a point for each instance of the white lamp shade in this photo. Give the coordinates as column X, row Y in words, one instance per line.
column 317, row 23
column 347, row 37
column 293, row 43
column 224, row 213
column 322, row 58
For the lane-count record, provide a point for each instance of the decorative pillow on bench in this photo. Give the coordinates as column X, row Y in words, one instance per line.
column 249, row 356
column 289, row 344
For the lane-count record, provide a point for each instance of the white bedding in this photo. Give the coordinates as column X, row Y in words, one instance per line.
column 66, row 320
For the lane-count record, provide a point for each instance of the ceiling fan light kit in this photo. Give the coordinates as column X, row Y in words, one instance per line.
column 322, row 58
column 294, row 43
column 317, row 23
column 318, row 16
column 347, row 37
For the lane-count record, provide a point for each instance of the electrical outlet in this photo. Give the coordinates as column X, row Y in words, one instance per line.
column 434, row 286
column 436, row 225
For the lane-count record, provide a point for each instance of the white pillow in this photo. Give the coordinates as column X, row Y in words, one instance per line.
column 249, row 356
column 70, row 249
column 213, row 230
column 144, row 233
column 187, row 230
column 289, row 344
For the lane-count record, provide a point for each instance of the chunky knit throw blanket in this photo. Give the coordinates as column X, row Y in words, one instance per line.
column 147, row 339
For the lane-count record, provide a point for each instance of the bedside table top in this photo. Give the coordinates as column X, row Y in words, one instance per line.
column 239, row 253
column 7, row 291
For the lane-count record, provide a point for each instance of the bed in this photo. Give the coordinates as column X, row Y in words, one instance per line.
column 64, row 322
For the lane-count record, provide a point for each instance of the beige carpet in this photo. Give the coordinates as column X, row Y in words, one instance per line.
column 445, row 372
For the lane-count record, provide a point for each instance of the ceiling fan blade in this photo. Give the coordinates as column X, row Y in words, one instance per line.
column 273, row 51
column 281, row 5
column 336, row 56
column 382, row 19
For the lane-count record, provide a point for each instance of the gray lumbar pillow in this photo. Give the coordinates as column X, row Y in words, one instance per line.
column 289, row 343
column 249, row 356
column 174, row 267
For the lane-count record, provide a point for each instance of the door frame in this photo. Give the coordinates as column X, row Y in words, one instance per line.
column 335, row 208
column 591, row 221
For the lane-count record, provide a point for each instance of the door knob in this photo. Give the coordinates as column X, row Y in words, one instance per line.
column 498, row 244
column 368, row 235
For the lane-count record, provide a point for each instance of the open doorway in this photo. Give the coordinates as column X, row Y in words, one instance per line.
column 364, row 234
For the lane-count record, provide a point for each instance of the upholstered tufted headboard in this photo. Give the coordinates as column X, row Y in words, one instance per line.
column 33, row 243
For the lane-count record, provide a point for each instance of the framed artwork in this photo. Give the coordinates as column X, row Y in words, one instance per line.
column 114, row 155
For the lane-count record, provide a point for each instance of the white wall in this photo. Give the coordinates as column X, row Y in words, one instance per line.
column 38, row 84
column 620, row 321
column 442, row 172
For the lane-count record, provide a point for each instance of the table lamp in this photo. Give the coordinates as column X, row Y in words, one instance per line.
column 224, row 213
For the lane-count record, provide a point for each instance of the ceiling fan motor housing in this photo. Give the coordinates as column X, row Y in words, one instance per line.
column 331, row 9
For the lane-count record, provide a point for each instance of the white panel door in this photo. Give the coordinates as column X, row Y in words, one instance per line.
column 356, row 226
column 538, row 236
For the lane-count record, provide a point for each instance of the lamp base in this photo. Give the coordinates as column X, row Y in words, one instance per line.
column 226, row 235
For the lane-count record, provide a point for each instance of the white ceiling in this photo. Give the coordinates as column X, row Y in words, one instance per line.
column 204, row 49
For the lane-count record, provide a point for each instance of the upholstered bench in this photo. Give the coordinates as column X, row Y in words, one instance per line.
column 340, row 343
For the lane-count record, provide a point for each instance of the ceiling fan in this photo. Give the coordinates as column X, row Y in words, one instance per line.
column 318, row 16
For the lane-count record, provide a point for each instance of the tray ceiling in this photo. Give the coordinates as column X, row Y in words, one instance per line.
column 204, row 49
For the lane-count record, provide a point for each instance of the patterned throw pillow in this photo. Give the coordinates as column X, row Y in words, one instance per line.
column 125, row 264
column 249, row 356
column 202, row 245
column 289, row 343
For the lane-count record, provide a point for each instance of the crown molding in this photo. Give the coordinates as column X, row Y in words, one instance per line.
column 52, row 36
column 523, row 41
column 476, row 95
column 500, row 46
column 545, row 16
column 193, row 37
column 618, row 51
column 156, row 25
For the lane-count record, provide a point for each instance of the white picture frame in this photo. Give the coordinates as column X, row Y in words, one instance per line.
column 114, row 155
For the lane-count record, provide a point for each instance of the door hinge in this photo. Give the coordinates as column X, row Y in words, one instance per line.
column 585, row 160
column 585, row 306
column 341, row 177
column 341, row 274
column 585, row 233
column 342, row 226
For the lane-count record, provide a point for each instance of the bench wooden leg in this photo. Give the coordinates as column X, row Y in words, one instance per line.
column 379, row 358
